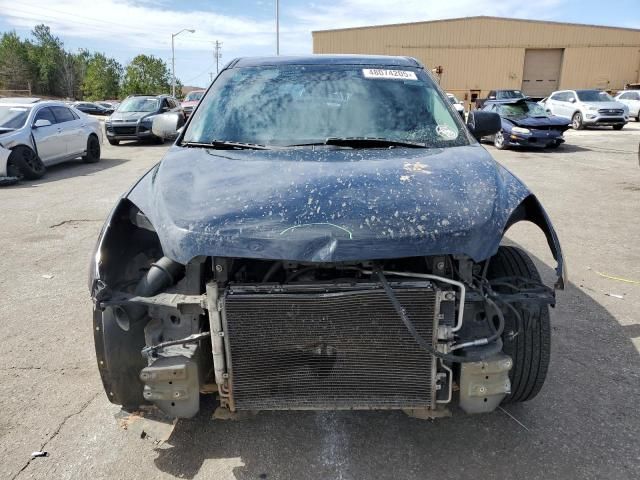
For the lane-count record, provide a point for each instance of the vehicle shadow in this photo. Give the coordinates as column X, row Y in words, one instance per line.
column 73, row 168
column 583, row 424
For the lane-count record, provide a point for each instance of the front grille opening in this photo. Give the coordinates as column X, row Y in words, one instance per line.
column 329, row 350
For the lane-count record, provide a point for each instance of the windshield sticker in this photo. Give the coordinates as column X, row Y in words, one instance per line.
column 445, row 131
column 389, row 74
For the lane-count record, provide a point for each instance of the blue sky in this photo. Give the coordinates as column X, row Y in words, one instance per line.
column 124, row 28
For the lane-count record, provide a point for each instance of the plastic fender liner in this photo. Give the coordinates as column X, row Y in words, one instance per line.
column 530, row 209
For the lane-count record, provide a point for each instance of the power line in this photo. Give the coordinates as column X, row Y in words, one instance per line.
column 199, row 75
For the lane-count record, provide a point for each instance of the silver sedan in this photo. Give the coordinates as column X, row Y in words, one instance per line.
column 35, row 134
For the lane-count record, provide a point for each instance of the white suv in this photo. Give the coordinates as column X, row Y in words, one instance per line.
column 631, row 98
column 587, row 108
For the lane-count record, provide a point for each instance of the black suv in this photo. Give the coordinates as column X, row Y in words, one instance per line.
column 132, row 119
column 322, row 224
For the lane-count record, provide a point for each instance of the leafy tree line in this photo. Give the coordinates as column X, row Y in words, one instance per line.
column 42, row 64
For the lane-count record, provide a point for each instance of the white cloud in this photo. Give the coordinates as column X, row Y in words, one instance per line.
column 354, row 13
column 137, row 25
column 143, row 23
column 351, row 13
column 149, row 23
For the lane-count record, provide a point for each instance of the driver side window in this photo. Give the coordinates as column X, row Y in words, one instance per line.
column 45, row 114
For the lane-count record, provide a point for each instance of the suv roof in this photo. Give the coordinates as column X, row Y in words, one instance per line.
column 326, row 60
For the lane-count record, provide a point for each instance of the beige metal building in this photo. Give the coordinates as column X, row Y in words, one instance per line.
column 478, row 54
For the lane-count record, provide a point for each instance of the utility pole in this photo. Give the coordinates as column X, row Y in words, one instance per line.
column 210, row 76
column 277, row 27
column 217, row 55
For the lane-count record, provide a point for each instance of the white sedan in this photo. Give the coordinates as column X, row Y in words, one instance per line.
column 35, row 134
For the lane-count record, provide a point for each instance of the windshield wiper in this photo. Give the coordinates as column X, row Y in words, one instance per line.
column 226, row 145
column 364, row 142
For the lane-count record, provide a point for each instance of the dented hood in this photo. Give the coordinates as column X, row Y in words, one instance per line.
column 328, row 204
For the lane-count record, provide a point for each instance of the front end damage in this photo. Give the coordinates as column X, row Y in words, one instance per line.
column 417, row 334
column 6, row 178
column 277, row 298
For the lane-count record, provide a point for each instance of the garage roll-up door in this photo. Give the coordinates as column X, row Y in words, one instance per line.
column 541, row 71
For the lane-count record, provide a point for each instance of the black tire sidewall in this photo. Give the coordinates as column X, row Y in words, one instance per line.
column 90, row 157
column 530, row 348
column 17, row 157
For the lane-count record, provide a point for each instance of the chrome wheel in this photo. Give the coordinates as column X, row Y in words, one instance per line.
column 576, row 123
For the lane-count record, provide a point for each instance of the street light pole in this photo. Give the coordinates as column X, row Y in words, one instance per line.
column 173, row 67
column 173, row 59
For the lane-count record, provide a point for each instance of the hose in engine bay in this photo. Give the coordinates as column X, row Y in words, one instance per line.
column 472, row 357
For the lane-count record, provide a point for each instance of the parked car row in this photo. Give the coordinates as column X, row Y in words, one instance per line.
column 35, row 134
column 526, row 122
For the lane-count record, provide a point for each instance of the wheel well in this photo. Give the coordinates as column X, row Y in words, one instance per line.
column 531, row 210
column 126, row 250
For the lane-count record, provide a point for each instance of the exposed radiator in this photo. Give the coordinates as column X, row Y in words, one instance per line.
column 328, row 347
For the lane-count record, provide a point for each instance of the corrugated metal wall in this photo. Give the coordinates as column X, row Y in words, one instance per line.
column 485, row 52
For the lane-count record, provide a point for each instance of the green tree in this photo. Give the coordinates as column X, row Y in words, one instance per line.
column 17, row 71
column 102, row 78
column 146, row 74
column 179, row 87
column 48, row 56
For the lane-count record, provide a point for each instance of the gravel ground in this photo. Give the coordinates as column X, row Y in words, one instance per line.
column 584, row 424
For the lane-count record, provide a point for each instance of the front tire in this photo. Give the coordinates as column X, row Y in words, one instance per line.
column 498, row 141
column 113, row 141
column 527, row 340
column 577, row 122
column 25, row 161
column 618, row 127
column 93, row 150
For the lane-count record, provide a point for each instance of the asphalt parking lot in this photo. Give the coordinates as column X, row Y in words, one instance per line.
column 585, row 423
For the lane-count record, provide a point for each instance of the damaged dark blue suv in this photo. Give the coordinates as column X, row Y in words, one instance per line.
column 325, row 233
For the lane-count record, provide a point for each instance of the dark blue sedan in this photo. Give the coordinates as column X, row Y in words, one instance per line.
column 526, row 124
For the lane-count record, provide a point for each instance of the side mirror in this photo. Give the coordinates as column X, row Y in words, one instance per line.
column 482, row 124
column 42, row 123
column 572, row 100
column 166, row 125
